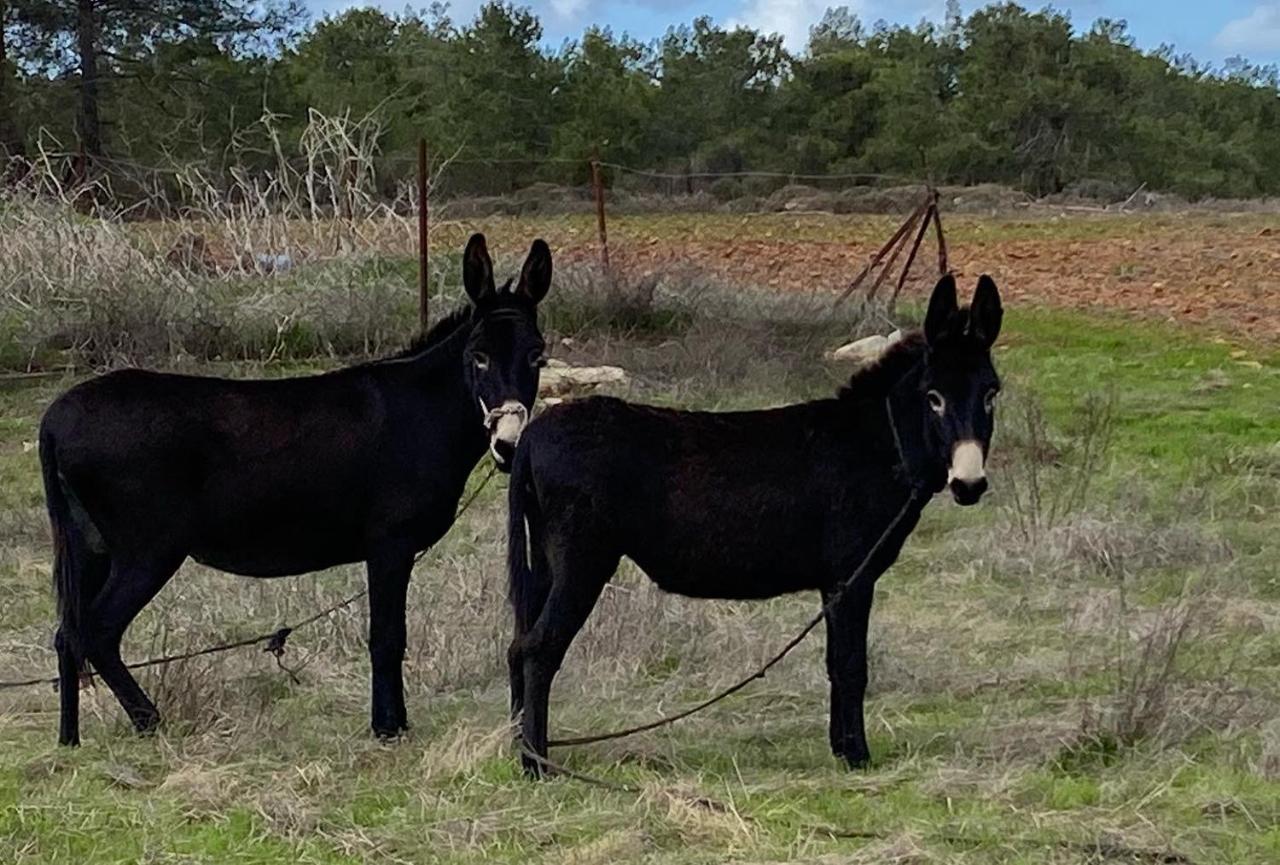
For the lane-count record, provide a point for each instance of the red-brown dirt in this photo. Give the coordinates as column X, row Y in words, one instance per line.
column 1220, row 273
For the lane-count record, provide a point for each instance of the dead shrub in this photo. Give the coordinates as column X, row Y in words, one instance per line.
column 1159, row 692
column 1267, row 765
column 1093, row 543
column 692, row 339
column 213, row 277
column 1146, row 669
column 621, row 304
column 1048, row 478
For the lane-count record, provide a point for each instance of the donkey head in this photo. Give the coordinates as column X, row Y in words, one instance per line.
column 960, row 383
column 504, row 352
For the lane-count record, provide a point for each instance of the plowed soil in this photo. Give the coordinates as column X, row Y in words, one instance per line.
column 1219, row 272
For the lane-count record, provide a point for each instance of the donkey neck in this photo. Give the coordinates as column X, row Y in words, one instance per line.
column 906, row 419
column 435, row 372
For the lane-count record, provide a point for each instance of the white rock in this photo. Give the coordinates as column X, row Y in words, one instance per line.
column 862, row 351
column 559, row 378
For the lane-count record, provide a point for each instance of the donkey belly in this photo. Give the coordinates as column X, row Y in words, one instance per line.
column 704, row 569
column 279, row 561
column 280, row 536
column 278, row 550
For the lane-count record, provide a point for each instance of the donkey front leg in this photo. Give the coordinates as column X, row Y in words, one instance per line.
column 388, row 584
column 847, row 671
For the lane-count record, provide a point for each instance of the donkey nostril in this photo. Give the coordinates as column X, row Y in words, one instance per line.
column 503, row 451
column 968, row 492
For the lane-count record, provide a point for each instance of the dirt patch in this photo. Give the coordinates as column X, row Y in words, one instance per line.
column 1221, row 276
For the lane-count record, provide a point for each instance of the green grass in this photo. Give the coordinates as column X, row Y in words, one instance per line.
column 1181, row 397
column 994, row 669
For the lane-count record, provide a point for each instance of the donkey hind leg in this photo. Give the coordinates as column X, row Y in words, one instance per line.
column 847, row 670
column 575, row 589
column 94, row 569
column 836, row 725
column 536, row 589
column 389, row 573
column 130, row 587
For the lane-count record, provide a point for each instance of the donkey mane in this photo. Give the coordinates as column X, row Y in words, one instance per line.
column 875, row 380
column 440, row 331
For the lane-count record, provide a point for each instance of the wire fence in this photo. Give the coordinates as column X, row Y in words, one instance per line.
column 267, row 208
column 143, row 190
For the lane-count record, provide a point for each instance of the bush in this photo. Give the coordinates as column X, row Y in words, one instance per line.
column 726, row 188
column 1094, row 189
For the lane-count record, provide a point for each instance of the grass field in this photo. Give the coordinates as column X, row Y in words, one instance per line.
column 1083, row 669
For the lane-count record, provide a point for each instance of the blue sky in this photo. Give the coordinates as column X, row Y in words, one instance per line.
column 1210, row 30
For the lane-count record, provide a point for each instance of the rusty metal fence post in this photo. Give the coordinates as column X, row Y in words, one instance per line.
column 424, row 241
column 597, row 184
column 887, row 255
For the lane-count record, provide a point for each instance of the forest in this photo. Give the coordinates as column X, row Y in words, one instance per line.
column 119, row 83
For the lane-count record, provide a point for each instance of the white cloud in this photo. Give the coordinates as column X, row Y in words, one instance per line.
column 569, row 9
column 791, row 18
column 1257, row 31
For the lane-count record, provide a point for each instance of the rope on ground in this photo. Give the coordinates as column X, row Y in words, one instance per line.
column 275, row 644
column 553, row 768
column 275, row 640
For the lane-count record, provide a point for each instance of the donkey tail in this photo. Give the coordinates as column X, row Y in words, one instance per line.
column 66, row 576
column 529, row 581
column 69, row 562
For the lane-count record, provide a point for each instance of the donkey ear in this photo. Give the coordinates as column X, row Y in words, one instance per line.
column 477, row 270
column 986, row 313
column 942, row 306
column 535, row 276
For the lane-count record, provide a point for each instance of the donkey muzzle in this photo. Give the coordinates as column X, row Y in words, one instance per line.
column 504, row 425
column 967, row 476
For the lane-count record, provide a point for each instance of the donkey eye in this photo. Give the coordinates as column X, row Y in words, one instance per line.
column 990, row 400
column 481, row 360
column 936, row 401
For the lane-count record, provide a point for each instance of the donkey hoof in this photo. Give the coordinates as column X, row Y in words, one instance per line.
column 856, row 761
column 146, row 723
column 388, row 734
column 533, row 768
column 853, row 757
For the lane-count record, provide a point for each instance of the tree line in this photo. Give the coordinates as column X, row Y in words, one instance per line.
column 1004, row 95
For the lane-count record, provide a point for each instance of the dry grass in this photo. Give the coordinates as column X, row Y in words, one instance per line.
column 955, row 728
column 1088, row 658
column 215, row 274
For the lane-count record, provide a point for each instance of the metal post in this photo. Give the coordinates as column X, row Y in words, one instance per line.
column 424, row 220
column 943, row 269
column 915, row 247
column 897, row 250
column 884, row 250
column 598, row 185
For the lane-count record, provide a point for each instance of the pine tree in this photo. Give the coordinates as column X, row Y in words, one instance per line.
column 97, row 42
